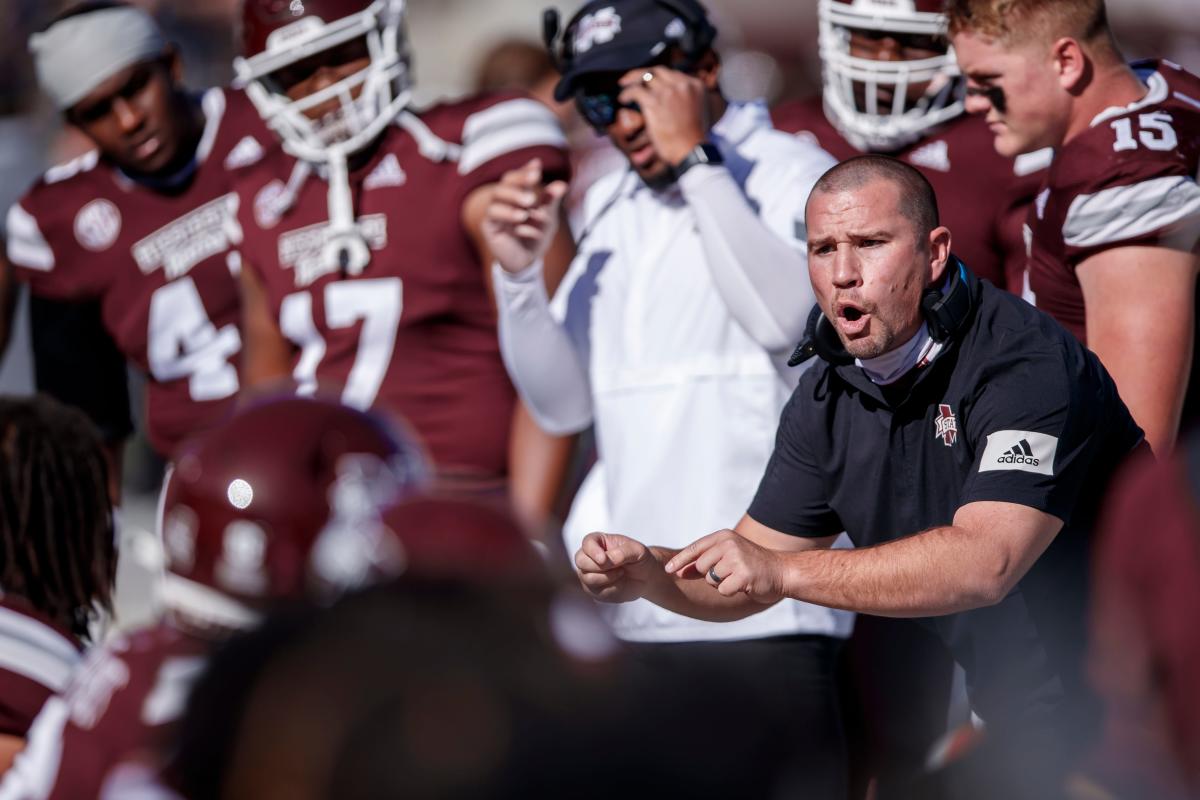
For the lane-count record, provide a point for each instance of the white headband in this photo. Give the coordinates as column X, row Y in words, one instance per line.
column 77, row 54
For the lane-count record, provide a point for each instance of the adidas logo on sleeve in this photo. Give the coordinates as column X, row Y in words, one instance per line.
column 1021, row 450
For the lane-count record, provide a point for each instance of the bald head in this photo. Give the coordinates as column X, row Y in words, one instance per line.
column 918, row 203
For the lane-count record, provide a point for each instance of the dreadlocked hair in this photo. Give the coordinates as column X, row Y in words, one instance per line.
column 56, row 518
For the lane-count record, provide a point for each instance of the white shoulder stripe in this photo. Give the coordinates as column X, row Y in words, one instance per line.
column 1127, row 212
column 505, row 127
column 70, row 169
column 14, row 625
column 36, row 665
column 27, row 247
column 35, row 651
column 1190, row 101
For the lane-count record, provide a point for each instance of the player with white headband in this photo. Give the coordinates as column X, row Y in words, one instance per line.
column 138, row 231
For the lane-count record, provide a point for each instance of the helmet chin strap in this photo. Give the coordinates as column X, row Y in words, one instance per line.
column 345, row 249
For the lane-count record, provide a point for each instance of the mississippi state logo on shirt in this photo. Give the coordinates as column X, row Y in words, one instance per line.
column 946, row 425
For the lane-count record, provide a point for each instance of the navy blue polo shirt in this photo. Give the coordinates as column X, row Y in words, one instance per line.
column 1014, row 409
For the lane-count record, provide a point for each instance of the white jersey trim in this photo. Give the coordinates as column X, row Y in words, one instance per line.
column 1029, row 163
column 27, row 246
column 35, row 769
column 35, row 651
column 1128, row 212
column 505, row 127
column 1156, row 92
column 68, row 170
column 213, row 103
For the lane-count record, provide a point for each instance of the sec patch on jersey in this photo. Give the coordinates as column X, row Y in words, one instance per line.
column 1024, row 450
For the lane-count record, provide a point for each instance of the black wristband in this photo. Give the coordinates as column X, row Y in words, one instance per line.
column 703, row 153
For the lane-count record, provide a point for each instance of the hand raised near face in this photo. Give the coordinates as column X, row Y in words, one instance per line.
column 674, row 106
column 522, row 216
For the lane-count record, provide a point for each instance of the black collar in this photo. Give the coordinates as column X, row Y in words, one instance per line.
column 822, row 340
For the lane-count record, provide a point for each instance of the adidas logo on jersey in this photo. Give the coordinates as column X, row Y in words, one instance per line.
column 387, row 173
column 1026, row 451
column 935, row 155
column 246, row 152
column 1020, row 453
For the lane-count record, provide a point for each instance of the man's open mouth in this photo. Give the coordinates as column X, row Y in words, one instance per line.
column 851, row 318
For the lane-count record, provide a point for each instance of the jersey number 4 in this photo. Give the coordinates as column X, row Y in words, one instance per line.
column 183, row 343
column 1155, row 132
column 377, row 303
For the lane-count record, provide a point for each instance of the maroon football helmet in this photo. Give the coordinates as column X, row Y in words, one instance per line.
column 281, row 37
column 281, row 502
column 859, row 115
column 283, row 41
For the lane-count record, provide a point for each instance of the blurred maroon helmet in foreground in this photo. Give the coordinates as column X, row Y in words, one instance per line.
column 281, row 502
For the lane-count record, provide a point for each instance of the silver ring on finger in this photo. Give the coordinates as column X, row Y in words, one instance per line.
column 647, row 77
column 712, row 574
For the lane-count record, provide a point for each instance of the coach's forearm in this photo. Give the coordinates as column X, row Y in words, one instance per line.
column 694, row 597
column 939, row 571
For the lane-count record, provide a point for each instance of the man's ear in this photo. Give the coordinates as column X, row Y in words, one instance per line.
column 708, row 70
column 1071, row 63
column 939, row 252
column 173, row 63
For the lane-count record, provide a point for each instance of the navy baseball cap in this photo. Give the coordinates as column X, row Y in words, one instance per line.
column 620, row 35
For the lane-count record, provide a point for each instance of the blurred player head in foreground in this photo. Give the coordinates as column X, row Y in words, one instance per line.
column 108, row 69
column 282, row 502
column 56, row 517
column 888, row 73
column 644, row 73
column 456, row 687
column 1029, row 64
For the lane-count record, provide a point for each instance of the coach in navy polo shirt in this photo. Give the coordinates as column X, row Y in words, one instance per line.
column 958, row 435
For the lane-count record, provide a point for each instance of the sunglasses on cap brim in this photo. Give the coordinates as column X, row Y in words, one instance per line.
column 598, row 102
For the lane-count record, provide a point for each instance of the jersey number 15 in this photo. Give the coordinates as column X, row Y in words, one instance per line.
column 1156, row 132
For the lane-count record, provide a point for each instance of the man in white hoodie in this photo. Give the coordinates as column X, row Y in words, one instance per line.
column 671, row 331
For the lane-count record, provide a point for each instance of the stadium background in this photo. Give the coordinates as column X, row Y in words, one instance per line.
column 768, row 47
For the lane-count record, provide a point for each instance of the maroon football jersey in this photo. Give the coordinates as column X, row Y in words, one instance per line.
column 415, row 332
column 119, row 703
column 982, row 196
column 155, row 261
column 36, row 660
column 1130, row 179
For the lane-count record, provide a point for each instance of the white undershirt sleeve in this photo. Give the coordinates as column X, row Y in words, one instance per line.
column 540, row 357
column 762, row 279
